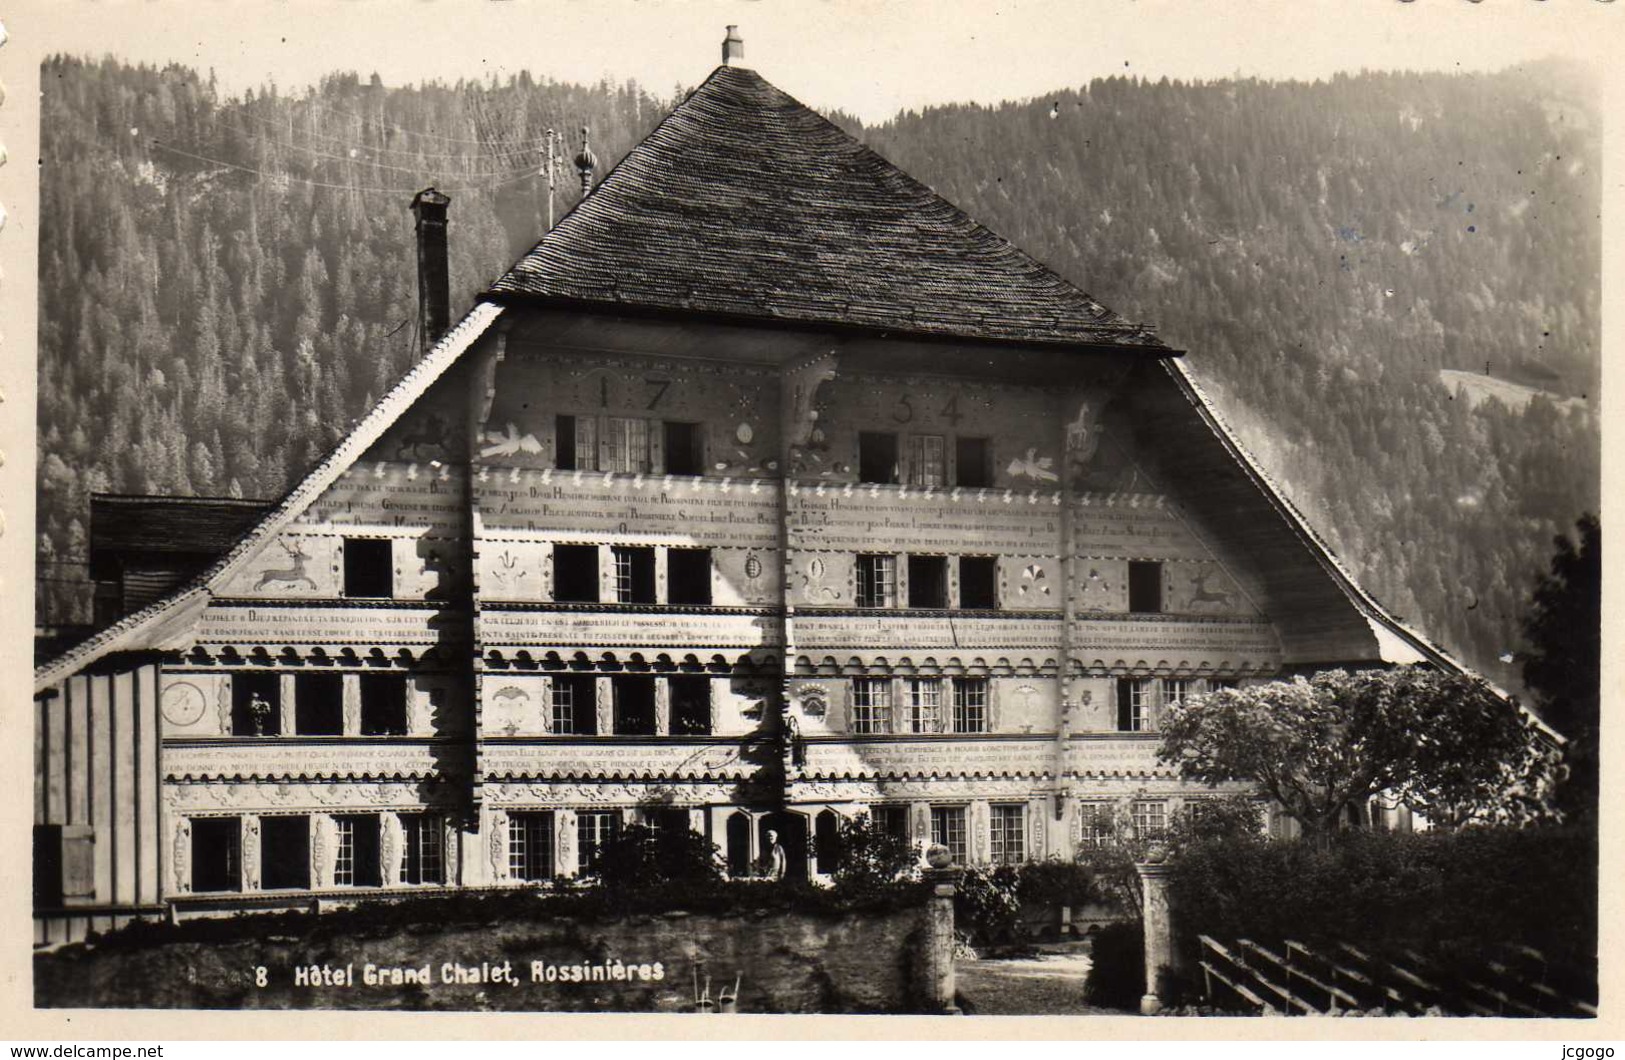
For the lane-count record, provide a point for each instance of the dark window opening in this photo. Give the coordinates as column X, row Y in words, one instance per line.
column 827, row 842
column 564, row 443
column 357, row 862
column 285, row 853
column 877, row 457
column 64, row 863
column 1133, row 704
column 690, row 706
column 593, row 830
column 739, row 845
column 369, row 567
column 948, row 828
column 383, row 705
column 318, row 704
column 634, row 699
column 928, row 581
column 666, row 820
column 47, row 866
column 256, row 704
column 973, row 463
column 685, row 451
column 979, row 582
column 575, row 707
column 890, row 820
column 1145, row 587
column 216, row 854
column 575, row 573
column 530, row 846
column 634, row 575
column 688, row 576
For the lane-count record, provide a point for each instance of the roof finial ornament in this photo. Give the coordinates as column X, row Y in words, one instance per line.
column 586, row 162
column 733, row 48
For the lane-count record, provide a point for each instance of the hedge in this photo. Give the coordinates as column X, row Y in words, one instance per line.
column 1438, row 892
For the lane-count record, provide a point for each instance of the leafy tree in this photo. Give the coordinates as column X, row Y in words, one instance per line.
column 1444, row 744
column 1563, row 665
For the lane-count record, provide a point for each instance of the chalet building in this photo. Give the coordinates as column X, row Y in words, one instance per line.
column 768, row 489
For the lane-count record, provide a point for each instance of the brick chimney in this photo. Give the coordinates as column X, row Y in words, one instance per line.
column 733, row 48
column 434, row 273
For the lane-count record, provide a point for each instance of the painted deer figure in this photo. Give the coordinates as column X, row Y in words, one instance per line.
column 288, row 575
column 1204, row 595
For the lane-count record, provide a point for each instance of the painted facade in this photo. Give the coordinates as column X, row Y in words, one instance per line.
column 588, row 567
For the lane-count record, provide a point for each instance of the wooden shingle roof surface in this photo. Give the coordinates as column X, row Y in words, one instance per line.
column 744, row 202
column 124, row 523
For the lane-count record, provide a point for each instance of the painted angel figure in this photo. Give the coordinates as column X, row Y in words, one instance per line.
column 510, row 444
column 1033, row 466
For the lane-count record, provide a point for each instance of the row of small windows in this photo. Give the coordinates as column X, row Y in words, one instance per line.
column 877, row 585
column 1099, row 828
column 1007, row 832
column 318, row 704
column 927, row 582
column 1139, row 697
column 622, row 444
column 874, row 713
column 881, row 459
column 632, row 705
column 285, row 842
column 632, row 581
column 284, row 854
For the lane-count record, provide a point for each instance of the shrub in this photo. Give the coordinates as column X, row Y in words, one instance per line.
column 642, row 859
column 987, row 908
column 1116, row 976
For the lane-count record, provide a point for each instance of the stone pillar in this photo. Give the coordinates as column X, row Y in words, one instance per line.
column 287, row 718
column 323, row 851
column 249, row 851
column 496, row 846
column 662, row 706
column 604, row 705
column 1159, row 927
column 391, row 848
column 566, row 858
column 352, row 704
column 937, row 962
column 979, row 832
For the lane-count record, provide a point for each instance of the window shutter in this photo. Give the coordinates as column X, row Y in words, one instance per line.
column 587, row 455
column 78, row 861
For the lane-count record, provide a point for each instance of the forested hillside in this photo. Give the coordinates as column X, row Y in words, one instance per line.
column 227, row 284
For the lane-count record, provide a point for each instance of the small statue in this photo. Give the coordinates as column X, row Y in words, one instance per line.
column 259, row 709
column 774, row 863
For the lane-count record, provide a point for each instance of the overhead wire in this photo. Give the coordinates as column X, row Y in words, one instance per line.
column 349, row 142
column 351, row 159
column 514, row 178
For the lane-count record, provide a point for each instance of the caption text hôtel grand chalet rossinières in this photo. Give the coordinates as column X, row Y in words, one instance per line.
column 768, row 488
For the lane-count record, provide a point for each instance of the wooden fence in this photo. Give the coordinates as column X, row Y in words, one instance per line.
column 1291, row 978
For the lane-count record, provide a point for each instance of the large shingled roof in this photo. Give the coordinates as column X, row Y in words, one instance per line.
column 744, row 202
